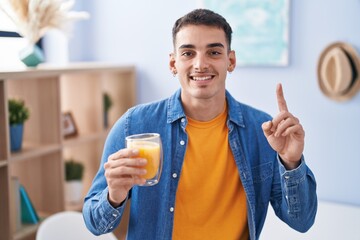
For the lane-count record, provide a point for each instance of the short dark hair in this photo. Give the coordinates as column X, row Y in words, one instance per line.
column 203, row 17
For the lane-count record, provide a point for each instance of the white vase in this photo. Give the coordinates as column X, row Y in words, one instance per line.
column 73, row 191
column 56, row 47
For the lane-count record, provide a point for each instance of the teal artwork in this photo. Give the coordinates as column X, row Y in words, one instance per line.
column 260, row 29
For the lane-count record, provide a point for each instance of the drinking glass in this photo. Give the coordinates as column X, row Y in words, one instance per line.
column 150, row 147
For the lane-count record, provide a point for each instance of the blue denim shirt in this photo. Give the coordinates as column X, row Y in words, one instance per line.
column 292, row 194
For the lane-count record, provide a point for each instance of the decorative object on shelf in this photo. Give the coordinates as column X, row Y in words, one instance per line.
column 28, row 212
column 74, row 172
column 338, row 71
column 107, row 101
column 56, row 47
column 31, row 55
column 69, row 126
column 18, row 114
column 15, row 207
column 33, row 18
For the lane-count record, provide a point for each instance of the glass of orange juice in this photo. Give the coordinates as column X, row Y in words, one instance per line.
column 150, row 147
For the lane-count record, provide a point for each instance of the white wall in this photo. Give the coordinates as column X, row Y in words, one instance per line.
column 333, row 222
column 139, row 32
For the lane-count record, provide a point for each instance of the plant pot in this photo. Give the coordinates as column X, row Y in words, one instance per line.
column 16, row 136
column 106, row 119
column 73, row 191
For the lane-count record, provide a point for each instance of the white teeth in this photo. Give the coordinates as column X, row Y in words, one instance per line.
column 202, row 78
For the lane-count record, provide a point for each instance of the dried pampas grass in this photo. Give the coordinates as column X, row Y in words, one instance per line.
column 34, row 18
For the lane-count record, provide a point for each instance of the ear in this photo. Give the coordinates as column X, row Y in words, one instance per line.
column 172, row 62
column 232, row 61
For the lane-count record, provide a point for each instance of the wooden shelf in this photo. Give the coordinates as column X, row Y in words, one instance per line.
column 30, row 151
column 48, row 70
column 85, row 138
column 25, row 231
column 74, row 207
column 49, row 92
column 3, row 163
column 5, row 204
column 3, row 123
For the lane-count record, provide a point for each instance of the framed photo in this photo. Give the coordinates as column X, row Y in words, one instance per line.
column 68, row 125
column 260, row 30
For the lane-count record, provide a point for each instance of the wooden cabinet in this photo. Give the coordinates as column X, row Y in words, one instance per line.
column 49, row 92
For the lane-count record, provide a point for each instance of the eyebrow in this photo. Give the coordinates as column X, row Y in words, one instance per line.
column 211, row 45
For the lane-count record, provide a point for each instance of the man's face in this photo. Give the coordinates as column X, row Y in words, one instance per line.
column 201, row 59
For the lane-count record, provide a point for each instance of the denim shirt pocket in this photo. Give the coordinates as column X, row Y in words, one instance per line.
column 262, row 178
column 262, row 172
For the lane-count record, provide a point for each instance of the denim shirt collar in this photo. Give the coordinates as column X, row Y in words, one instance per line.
column 176, row 111
column 235, row 110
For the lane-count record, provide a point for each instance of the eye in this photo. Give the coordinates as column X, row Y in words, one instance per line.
column 214, row 53
column 187, row 54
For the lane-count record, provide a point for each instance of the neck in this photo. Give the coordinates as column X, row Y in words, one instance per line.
column 205, row 109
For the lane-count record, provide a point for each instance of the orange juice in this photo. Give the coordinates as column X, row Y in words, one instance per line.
column 150, row 151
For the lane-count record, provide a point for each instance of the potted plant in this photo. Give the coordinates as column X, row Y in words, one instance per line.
column 18, row 114
column 74, row 172
column 107, row 101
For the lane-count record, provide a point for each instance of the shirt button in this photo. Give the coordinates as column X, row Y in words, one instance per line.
column 171, row 209
column 111, row 227
column 182, row 142
column 174, row 175
column 114, row 215
column 286, row 177
column 183, row 120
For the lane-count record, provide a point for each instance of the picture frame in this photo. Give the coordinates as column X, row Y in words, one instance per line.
column 8, row 28
column 261, row 30
column 69, row 128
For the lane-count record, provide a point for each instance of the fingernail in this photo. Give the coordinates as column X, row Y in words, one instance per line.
column 135, row 151
column 143, row 161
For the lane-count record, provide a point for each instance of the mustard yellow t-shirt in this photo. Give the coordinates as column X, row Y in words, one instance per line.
column 210, row 199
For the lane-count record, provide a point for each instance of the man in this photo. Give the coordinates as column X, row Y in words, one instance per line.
column 224, row 161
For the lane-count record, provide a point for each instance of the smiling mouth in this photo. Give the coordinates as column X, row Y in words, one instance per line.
column 206, row 78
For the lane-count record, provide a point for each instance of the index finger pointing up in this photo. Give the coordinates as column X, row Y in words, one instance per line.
column 280, row 98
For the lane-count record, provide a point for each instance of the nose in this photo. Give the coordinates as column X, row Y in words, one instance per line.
column 201, row 63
